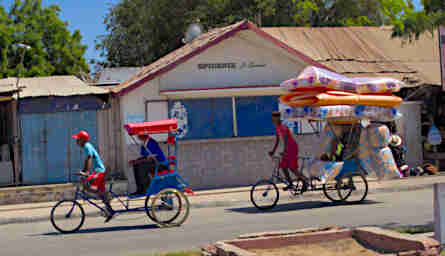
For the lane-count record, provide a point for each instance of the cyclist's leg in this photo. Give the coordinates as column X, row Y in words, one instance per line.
column 288, row 178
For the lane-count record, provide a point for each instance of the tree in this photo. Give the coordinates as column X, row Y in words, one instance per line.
column 409, row 23
column 141, row 31
column 54, row 50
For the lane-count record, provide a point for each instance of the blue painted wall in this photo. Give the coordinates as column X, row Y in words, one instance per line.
column 213, row 118
column 206, row 118
column 49, row 154
column 254, row 115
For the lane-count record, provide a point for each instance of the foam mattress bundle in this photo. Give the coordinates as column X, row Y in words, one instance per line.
column 320, row 94
column 372, row 154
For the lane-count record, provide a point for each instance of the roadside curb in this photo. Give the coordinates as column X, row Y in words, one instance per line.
column 214, row 203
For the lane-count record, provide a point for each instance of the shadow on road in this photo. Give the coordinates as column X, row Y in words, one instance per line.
column 105, row 229
column 284, row 207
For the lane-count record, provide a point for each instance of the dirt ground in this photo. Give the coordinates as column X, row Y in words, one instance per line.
column 344, row 247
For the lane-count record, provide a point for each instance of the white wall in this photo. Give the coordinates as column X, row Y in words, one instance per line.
column 133, row 106
column 279, row 66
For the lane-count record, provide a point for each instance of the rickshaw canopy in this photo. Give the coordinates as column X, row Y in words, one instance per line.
column 154, row 127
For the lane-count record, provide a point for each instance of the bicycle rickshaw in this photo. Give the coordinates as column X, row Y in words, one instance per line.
column 165, row 201
column 348, row 186
column 354, row 109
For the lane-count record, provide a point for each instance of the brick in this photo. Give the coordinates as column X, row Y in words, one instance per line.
column 223, row 249
column 283, row 241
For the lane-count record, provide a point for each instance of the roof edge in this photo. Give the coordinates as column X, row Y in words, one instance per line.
column 242, row 26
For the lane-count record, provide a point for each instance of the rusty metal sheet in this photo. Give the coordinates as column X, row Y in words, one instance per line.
column 54, row 86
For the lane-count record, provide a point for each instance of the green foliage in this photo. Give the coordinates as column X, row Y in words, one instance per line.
column 410, row 24
column 54, row 50
column 141, row 31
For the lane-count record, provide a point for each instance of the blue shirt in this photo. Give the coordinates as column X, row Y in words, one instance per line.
column 89, row 150
column 154, row 149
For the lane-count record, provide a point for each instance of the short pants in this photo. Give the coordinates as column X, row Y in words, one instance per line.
column 97, row 181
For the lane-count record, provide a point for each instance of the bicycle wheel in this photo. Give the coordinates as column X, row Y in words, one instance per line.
column 148, row 210
column 184, row 211
column 67, row 216
column 330, row 191
column 353, row 188
column 260, row 192
column 166, row 206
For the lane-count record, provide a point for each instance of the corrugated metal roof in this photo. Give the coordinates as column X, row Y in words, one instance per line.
column 352, row 51
column 116, row 75
column 366, row 51
column 53, row 86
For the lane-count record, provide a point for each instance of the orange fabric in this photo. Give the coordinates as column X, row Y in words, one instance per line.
column 329, row 98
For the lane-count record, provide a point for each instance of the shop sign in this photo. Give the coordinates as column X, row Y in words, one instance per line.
column 231, row 66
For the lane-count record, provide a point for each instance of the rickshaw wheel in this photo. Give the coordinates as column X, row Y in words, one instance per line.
column 148, row 209
column 353, row 188
column 167, row 205
column 330, row 190
column 184, row 213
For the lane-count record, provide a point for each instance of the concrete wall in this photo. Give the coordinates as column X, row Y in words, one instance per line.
column 222, row 163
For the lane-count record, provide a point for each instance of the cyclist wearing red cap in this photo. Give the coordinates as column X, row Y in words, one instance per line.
column 95, row 169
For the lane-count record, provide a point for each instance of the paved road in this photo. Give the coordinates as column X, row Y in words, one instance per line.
column 132, row 234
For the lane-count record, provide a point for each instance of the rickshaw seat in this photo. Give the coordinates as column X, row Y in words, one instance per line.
column 165, row 172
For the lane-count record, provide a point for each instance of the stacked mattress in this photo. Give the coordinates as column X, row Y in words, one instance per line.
column 320, row 94
column 372, row 153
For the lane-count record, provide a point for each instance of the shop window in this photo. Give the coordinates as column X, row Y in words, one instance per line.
column 253, row 115
column 203, row 118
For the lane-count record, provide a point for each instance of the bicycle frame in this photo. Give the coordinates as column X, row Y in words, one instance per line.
column 82, row 195
column 276, row 174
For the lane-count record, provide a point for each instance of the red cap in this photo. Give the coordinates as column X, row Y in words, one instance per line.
column 82, row 135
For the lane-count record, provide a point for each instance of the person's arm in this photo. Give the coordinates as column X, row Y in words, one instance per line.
column 277, row 142
column 88, row 164
column 286, row 140
column 89, row 160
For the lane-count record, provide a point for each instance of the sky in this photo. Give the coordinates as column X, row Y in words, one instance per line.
column 88, row 17
column 84, row 15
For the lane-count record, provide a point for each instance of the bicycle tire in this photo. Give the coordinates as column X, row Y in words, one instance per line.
column 264, row 182
column 326, row 190
column 148, row 209
column 54, row 218
column 183, row 213
column 352, row 187
column 154, row 208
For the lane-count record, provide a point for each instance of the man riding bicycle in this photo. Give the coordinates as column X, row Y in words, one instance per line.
column 94, row 171
column 289, row 159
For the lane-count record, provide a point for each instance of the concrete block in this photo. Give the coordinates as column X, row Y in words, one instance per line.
column 439, row 212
